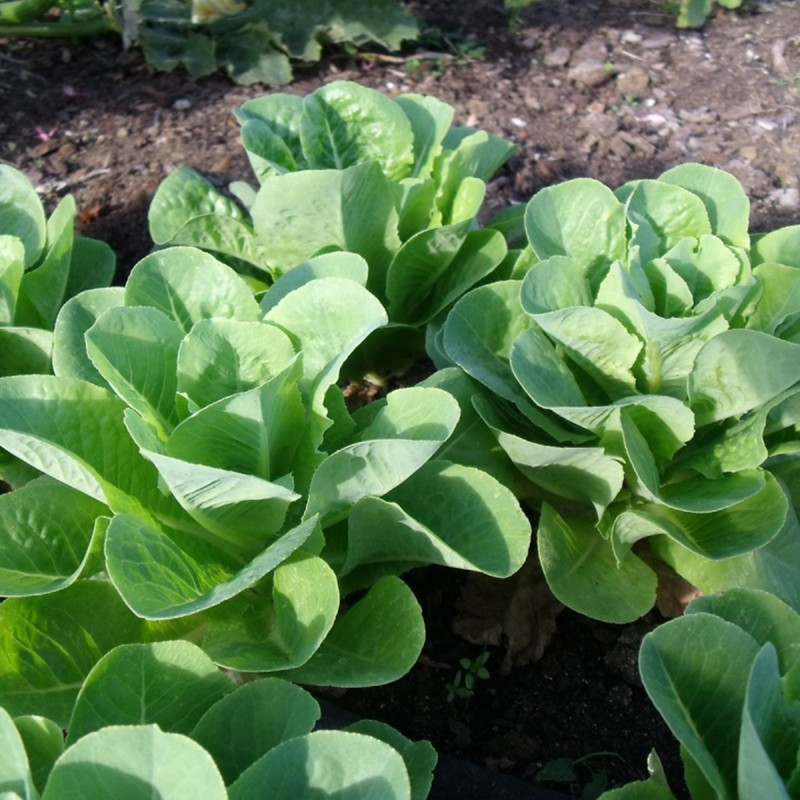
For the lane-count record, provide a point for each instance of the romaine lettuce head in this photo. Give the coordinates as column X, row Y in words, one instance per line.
column 199, row 459
column 643, row 373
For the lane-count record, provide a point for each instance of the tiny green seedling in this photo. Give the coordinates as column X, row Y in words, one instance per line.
column 467, row 676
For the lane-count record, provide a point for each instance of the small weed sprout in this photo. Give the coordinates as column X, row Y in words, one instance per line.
column 467, row 676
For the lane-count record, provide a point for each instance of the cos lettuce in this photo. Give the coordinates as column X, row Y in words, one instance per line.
column 725, row 679
column 198, row 454
column 348, row 169
column 188, row 728
column 642, row 372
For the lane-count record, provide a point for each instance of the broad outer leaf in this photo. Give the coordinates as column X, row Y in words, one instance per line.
column 301, row 213
column 765, row 617
column 244, row 725
column 44, row 743
column 774, row 567
column 77, row 315
column 356, row 767
column 555, row 283
column 723, row 196
column 479, row 333
column 254, row 432
column 430, row 119
column 443, row 514
column 780, row 296
column 165, row 574
column 699, row 688
column 267, row 152
column 188, row 285
column 25, row 351
column 662, row 214
column 74, row 432
column 239, row 511
column 470, row 512
column 136, row 351
column 583, row 474
column 597, row 343
column 402, row 434
column 171, row 684
column 435, row 267
column 328, row 317
column 740, row 528
column 222, row 357
column 344, row 124
column 12, row 267
column 420, row 757
column 46, row 533
column 740, row 370
column 780, row 247
column 250, row 55
column 579, row 218
column 770, row 736
column 92, row 266
column 357, row 651
column 49, row 644
column 471, row 443
column 182, row 196
column 281, row 112
column 21, row 213
column 582, row 571
column 15, row 772
column 43, row 289
column 279, row 630
column 132, row 762
column 338, row 264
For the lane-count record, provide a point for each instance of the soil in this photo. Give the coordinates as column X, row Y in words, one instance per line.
column 609, row 90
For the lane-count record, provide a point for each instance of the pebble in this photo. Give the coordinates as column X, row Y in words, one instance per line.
column 787, row 199
column 600, row 124
column 698, row 115
column 658, row 40
column 631, row 37
column 518, row 122
column 558, row 57
column 589, row 74
column 182, row 104
column 737, row 112
column 634, row 81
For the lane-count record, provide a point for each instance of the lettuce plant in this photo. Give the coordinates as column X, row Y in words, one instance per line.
column 694, row 13
column 642, row 373
column 42, row 264
column 161, row 719
column 198, row 455
column 725, row 679
column 251, row 41
column 347, row 168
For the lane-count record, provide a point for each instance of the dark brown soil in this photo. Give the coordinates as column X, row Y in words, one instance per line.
column 90, row 120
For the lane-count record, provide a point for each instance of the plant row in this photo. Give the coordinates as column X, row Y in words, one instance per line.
column 621, row 366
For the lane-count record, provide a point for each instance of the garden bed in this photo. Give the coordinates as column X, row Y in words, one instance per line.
column 108, row 131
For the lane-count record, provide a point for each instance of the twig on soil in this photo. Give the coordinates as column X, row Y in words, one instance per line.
column 21, row 66
column 428, row 55
column 58, row 185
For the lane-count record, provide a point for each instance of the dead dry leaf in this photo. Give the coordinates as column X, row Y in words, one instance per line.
column 519, row 611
